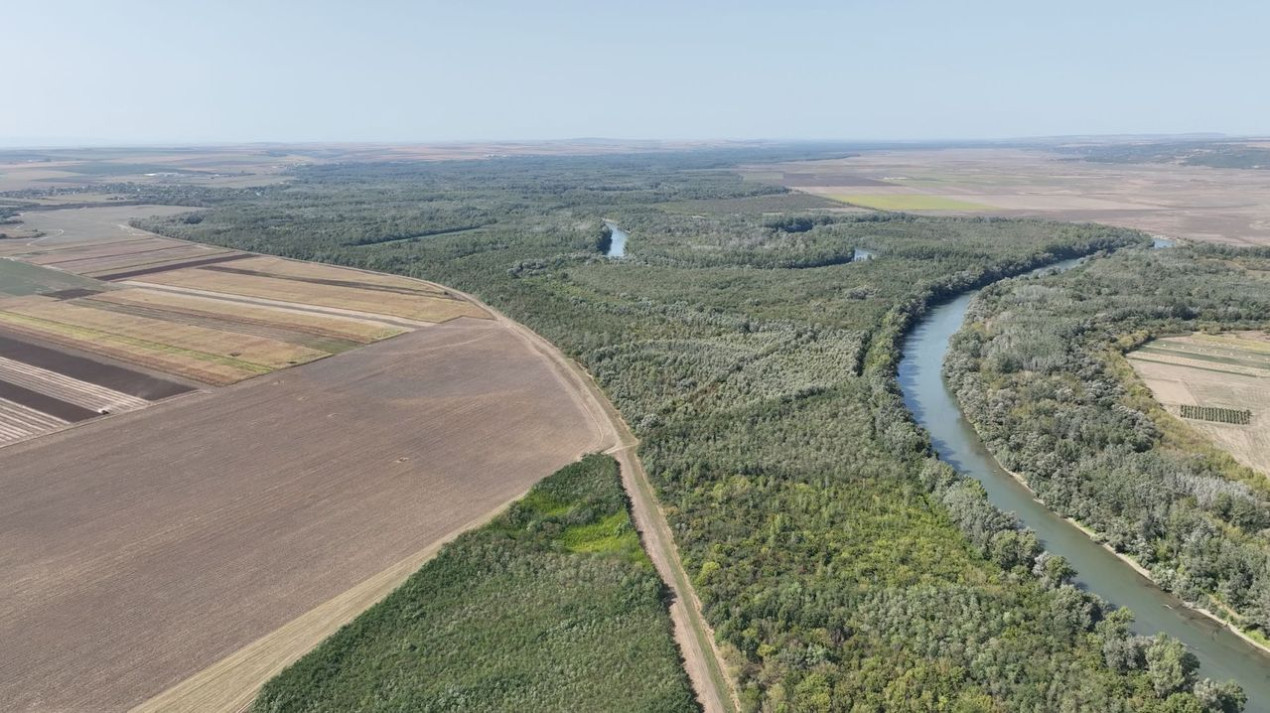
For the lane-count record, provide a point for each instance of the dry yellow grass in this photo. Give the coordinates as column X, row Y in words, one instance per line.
column 260, row 351
column 297, row 268
column 1230, row 371
column 418, row 308
column 354, row 330
column 193, row 365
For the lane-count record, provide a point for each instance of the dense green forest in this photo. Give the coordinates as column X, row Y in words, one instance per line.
column 551, row 607
column 1039, row 369
column 842, row 567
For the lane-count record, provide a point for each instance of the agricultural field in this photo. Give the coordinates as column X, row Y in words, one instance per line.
column 1226, row 371
column 1195, row 202
column 480, row 627
column 909, row 202
column 210, row 315
column 184, row 538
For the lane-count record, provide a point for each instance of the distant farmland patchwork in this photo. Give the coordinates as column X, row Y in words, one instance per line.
column 1215, row 382
column 177, row 315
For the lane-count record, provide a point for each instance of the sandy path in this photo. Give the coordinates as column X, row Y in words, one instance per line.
column 702, row 658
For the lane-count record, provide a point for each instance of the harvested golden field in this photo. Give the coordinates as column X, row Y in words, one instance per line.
column 254, row 351
column 174, row 537
column 326, row 325
column 415, row 307
column 351, row 276
column 1229, row 371
column 64, row 255
column 209, row 314
column 151, row 355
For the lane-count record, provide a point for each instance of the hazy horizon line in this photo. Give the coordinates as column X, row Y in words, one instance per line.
column 63, row 143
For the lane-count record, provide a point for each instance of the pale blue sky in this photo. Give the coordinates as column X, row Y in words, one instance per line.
column 232, row 70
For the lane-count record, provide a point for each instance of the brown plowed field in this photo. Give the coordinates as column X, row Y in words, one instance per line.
column 138, row 550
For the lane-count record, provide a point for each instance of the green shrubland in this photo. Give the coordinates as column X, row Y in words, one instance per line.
column 551, row 607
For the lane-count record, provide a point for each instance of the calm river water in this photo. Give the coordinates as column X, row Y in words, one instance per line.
column 1222, row 654
column 617, row 248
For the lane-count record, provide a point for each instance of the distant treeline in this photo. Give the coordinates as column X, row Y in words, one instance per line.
column 1215, row 154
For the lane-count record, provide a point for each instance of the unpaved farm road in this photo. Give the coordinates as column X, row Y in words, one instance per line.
column 702, row 658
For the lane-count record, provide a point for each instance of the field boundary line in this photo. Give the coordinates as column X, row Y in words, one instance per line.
column 703, row 660
column 231, row 684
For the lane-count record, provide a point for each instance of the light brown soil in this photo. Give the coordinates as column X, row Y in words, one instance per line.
column 1182, row 370
column 325, row 325
column 138, row 550
column 1195, row 202
column 260, row 351
column 413, row 307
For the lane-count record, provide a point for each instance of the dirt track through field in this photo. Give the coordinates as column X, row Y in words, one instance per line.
column 140, row 550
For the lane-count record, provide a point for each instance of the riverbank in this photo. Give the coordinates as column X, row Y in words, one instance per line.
column 1097, row 539
column 1223, row 650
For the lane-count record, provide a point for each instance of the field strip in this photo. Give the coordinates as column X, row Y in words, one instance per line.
column 210, row 368
column 1254, row 345
column 80, row 393
column 1251, row 361
column 293, row 306
column 138, row 271
column 1185, row 365
column 231, row 684
column 131, row 255
column 18, row 422
column 702, row 659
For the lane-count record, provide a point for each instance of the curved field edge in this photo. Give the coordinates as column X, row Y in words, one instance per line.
column 553, row 606
column 703, row 661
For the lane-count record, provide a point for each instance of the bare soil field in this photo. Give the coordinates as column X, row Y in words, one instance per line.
column 1193, row 202
column 1228, row 371
column 172, row 537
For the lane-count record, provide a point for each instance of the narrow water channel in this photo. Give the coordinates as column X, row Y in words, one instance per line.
column 617, row 245
column 1222, row 654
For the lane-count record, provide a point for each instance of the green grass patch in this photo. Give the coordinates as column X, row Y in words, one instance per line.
column 906, row 202
column 544, row 609
column 19, row 279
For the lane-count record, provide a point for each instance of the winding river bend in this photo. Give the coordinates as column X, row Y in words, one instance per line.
column 1222, row 654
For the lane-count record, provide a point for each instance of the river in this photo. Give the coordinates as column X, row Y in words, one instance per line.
column 617, row 245
column 1222, row 654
